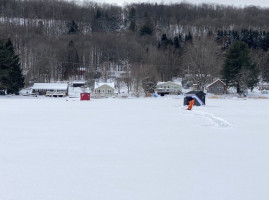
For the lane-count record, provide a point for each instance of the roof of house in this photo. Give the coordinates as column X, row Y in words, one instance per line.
column 50, row 86
column 218, row 80
column 97, row 85
column 177, row 83
column 79, row 82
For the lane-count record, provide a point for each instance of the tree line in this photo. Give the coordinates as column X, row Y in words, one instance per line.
column 56, row 40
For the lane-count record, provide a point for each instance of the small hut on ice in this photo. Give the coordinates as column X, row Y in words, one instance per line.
column 198, row 96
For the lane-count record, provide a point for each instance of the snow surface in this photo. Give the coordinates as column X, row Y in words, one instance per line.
column 133, row 149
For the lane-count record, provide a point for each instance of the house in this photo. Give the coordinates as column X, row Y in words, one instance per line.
column 104, row 90
column 198, row 96
column 217, row 87
column 169, row 87
column 51, row 89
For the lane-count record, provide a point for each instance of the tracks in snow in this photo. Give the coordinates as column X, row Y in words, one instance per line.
column 220, row 122
column 217, row 121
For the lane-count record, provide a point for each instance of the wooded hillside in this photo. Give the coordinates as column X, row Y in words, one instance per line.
column 56, row 40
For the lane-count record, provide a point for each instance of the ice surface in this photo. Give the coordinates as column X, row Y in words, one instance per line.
column 133, row 149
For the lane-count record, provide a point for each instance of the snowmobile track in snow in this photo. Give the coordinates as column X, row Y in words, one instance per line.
column 216, row 120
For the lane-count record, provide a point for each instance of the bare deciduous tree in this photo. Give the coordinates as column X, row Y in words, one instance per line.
column 202, row 60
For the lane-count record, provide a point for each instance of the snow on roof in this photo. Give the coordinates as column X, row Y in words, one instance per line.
column 79, row 82
column 215, row 82
column 160, row 83
column 97, row 85
column 50, row 86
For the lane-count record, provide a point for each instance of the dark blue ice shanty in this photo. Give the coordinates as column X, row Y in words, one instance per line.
column 198, row 96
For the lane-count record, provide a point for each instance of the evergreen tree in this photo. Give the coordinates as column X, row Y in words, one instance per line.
column 98, row 14
column 132, row 26
column 73, row 27
column 4, row 67
column 177, row 43
column 148, row 27
column 265, row 42
column 132, row 13
column 188, row 37
column 72, row 64
column 132, row 19
column 146, row 30
column 11, row 78
column 149, row 84
column 16, row 79
column 238, row 69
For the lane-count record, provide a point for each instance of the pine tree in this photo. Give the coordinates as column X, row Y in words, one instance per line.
column 188, row 37
column 149, row 84
column 4, row 67
column 177, row 43
column 73, row 27
column 16, row 79
column 71, row 66
column 132, row 26
column 98, row 14
column 132, row 19
column 265, row 42
column 11, row 78
column 146, row 30
column 238, row 69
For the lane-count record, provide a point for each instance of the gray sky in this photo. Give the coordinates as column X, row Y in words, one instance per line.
column 237, row 3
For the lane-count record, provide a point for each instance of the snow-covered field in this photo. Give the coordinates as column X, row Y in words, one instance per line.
column 133, row 149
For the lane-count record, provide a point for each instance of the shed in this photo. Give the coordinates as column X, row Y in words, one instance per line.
column 85, row 96
column 217, row 87
column 50, row 89
column 198, row 96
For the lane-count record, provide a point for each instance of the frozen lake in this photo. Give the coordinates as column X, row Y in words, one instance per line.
column 133, row 149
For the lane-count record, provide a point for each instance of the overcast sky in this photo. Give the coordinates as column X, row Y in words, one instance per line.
column 237, row 3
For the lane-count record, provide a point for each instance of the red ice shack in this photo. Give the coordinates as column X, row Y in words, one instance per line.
column 85, row 96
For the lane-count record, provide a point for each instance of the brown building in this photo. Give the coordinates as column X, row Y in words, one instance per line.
column 217, row 87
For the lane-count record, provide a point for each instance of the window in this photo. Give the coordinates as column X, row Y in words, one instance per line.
column 109, row 91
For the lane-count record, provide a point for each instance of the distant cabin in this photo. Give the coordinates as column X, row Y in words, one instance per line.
column 104, row 90
column 168, row 88
column 50, row 89
column 217, row 87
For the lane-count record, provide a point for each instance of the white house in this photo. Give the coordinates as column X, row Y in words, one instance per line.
column 51, row 89
column 169, row 87
column 104, row 89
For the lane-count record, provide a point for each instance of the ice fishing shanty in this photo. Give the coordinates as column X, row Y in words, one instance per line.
column 198, row 96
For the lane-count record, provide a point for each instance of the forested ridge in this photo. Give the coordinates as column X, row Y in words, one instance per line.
column 55, row 39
